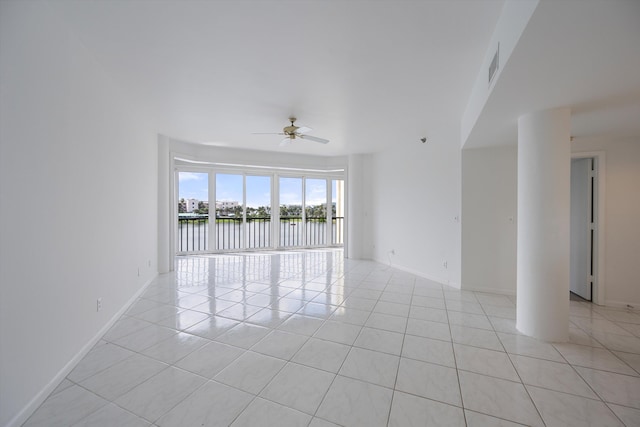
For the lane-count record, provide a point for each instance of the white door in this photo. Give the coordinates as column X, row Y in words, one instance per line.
column 581, row 227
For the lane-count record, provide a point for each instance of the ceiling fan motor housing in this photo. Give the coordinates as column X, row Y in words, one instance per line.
column 290, row 131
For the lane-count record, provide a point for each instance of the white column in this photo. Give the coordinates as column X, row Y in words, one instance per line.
column 544, row 166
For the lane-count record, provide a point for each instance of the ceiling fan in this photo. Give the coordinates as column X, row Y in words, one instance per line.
column 292, row 132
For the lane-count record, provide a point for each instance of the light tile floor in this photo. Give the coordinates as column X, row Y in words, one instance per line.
column 307, row 338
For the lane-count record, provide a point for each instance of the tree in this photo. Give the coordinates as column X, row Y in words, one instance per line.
column 202, row 208
column 182, row 206
column 317, row 212
column 291, row 210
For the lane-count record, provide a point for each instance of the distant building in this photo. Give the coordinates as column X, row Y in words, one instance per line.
column 226, row 204
column 192, row 204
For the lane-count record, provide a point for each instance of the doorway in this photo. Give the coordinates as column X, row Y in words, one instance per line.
column 587, row 194
column 582, row 228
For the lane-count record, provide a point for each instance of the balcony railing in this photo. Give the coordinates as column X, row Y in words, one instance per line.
column 316, row 231
column 291, row 231
column 193, row 232
column 229, row 233
column 259, row 231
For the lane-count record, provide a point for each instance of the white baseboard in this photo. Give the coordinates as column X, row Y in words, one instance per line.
column 622, row 304
column 22, row 416
column 440, row 280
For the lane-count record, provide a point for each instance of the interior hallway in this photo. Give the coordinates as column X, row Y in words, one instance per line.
column 308, row 338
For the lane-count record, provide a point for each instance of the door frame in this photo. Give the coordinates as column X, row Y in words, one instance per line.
column 599, row 159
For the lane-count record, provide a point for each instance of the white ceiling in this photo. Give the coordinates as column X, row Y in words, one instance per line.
column 364, row 74
column 367, row 75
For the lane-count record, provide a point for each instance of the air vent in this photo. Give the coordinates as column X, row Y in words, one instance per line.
column 493, row 68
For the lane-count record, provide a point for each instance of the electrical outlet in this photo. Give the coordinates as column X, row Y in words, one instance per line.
column 445, row 264
column 99, row 304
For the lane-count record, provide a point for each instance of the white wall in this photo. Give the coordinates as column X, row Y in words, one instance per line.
column 489, row 213
column 415, row 199
column 622, row 211
column 489, row 239
column 67, row 135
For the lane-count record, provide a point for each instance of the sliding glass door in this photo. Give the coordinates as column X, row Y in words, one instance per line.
column 258, row 211
column 291, row 225
column 305, row 217
column 243, row 211
column 231, row 210
column 193, row 212
column 315, row 209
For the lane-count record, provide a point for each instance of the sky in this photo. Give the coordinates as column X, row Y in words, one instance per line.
column 193, row 185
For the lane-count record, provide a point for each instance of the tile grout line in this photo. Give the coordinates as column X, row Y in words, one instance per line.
column 586, row 382
column 341, row 365
column 280, row 370
column 455, row 362
column 290, row 360
column 395, row 383
column 518, row 373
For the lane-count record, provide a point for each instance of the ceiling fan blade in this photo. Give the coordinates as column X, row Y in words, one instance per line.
column 303, row 129
column 314, row 139
column 285, row 141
